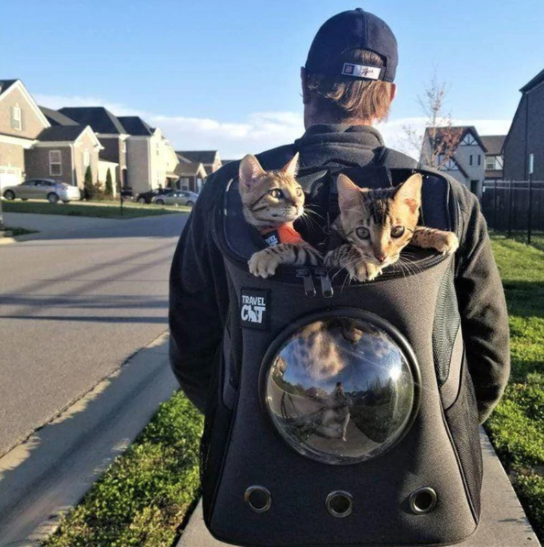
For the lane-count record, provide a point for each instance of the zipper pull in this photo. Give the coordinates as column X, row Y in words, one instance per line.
column 326, row 285
column 309, row 287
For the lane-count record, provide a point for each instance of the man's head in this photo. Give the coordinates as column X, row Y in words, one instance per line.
column 349, row 73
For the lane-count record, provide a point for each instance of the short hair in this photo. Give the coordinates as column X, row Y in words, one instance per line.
column 345, row 97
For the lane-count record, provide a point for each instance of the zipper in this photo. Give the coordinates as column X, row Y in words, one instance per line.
column 309, row 287
column 326, row 286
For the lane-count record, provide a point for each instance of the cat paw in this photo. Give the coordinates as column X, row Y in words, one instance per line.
column 363, row 271
column 447, row 243
column 263, row 264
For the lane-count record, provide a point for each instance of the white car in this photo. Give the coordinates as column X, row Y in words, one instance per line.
column 176, row 197
column 48, row 189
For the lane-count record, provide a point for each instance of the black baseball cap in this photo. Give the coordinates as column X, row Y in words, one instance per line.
column 330, row 52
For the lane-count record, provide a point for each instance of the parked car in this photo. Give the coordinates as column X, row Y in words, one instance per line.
column 146, row 197
column 127, row 194
column 177, row 197
column 48, row 189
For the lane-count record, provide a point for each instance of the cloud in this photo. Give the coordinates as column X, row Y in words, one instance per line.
column 258, row 131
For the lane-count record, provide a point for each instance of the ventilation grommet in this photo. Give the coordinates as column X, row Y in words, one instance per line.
column 339, row 504
column 258, row 499
column 423, row 501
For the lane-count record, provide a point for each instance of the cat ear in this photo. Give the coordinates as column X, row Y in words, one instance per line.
column 409, row 192
column 348, row 193
column 290, row 168
column 250, row 169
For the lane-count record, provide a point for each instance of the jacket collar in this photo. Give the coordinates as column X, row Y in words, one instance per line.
column 364, row 135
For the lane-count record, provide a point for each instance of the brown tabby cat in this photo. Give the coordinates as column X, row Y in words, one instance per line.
column 377, row 224
column 272, row 201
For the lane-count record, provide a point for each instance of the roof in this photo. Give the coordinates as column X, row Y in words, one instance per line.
column 198, row 156
column 99, row 118
column 59, row 133
column 463, row 129
column 134, row 125
column 224, row 162
column 493, row 144
column 188, row 169
column 494, row 174
column 539, row 78
column 56, row 118
column 5, row 85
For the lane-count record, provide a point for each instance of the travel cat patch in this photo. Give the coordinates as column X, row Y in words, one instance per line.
column 254, row 308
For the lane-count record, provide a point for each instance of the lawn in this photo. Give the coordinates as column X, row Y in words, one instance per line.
column 91, row 209
column 516, row 427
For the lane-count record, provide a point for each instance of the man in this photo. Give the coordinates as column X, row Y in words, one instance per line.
column 347, row 85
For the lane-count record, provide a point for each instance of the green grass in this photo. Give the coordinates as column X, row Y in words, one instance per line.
column 516, row 428
column 146, row 494
column 20, row 231
column 92, row 209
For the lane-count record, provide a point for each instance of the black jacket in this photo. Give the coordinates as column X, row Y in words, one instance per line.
column 199, row 295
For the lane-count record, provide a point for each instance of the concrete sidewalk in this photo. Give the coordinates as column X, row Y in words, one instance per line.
column 503, row 523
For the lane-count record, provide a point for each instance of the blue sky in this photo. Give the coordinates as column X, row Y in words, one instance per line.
column 219, row 74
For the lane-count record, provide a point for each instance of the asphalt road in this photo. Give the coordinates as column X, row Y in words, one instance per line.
column 74, row 305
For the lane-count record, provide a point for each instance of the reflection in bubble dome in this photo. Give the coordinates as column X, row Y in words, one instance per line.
column 341, row 390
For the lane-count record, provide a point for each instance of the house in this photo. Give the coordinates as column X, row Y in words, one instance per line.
column 151, row 161
column 526, row 135
column 190, row 175
column 209, row 158
column 63, row 153
column 56, row 118
column 110, row 133
column 21, row 122
column 493, row 157
column 459, row 152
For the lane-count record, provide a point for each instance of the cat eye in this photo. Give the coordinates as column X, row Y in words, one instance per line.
column 362, row 233
column 397, row 231
column 275, row 193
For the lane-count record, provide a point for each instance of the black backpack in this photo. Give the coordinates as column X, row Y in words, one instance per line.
column 342, row 414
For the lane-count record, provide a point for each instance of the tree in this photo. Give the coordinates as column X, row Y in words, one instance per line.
column 109, row 184
column 438, row 143
column 88, row 187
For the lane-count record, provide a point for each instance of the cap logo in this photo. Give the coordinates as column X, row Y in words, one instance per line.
column 361, row 71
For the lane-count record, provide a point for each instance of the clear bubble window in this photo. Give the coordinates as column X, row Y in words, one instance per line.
column 342, row 390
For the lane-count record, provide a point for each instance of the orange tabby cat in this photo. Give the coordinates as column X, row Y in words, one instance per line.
column 376, row 224
column 272, row 201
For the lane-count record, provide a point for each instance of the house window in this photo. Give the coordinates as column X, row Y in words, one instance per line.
column 471, row 159
column 16, row 118
column 490, row 162
column 468, row 140
column 55, row 165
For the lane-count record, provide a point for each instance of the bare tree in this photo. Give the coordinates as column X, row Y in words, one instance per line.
column 438, row 143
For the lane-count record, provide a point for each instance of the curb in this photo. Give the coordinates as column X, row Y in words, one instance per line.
column 48, row 474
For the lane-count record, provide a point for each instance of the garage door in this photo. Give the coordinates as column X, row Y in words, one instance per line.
column 9, row 176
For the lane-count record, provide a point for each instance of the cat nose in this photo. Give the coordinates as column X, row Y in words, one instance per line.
column 381, row 257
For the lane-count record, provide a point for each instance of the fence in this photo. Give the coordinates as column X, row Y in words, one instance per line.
column 514, row 207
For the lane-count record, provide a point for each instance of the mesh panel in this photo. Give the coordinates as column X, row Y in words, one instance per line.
column 446, row 325
column 462, row 420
